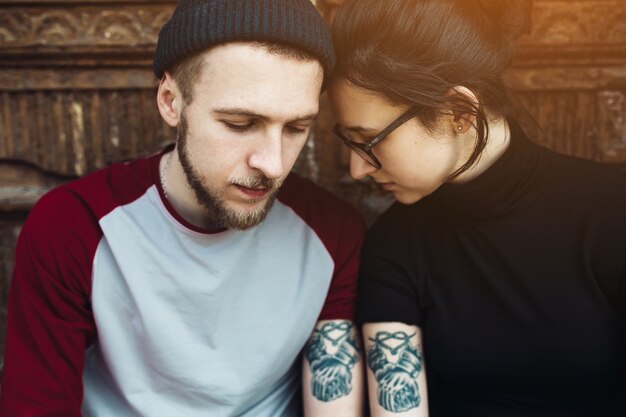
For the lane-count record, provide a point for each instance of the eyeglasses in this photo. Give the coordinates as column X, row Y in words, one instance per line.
column 364, row 150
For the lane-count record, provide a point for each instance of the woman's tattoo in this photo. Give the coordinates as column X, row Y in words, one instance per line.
column 396, row 363
column 332, row 352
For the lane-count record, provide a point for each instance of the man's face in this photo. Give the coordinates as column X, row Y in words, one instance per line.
column 240, row 136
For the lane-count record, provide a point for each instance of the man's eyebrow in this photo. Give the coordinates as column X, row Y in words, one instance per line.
column 249, row 113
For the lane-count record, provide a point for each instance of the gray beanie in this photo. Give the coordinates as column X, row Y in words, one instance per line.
column 201, row 24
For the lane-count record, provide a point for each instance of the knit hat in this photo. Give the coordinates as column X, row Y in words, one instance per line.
column 200, row 24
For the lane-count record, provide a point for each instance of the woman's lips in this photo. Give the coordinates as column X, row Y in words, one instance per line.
column 386, row 185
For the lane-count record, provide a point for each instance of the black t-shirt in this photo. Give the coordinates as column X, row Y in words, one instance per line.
column 518, row 281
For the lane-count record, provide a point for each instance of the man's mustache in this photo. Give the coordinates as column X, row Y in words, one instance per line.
column 258, row 182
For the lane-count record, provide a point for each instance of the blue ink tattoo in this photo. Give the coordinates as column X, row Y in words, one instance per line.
column 332, row 352
column 396, row 363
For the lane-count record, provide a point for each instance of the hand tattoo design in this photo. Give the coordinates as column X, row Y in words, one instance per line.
column 398, row 390
column 332, row 352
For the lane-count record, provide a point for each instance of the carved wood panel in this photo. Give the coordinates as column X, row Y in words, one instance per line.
column 77, row 92
column 75, row 27
column 80, row 130
column 9, row 229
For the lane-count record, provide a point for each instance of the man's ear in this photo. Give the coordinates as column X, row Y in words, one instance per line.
column 169, row 100
column 464, row 109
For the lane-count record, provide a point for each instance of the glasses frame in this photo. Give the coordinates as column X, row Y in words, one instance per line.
column 364, row 150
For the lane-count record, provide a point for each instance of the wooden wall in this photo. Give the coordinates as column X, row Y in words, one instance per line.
column 77, row 93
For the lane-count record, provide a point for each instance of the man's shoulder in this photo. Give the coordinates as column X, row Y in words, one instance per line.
column 306, row 197
column 83, row 202
column 102, row 191
column 325, row 212
column 61, row 233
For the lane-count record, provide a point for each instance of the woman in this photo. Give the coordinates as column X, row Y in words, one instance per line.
column 496, row 285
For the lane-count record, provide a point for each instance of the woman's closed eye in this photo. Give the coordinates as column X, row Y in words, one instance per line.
column 357, row 137
column 360, row 138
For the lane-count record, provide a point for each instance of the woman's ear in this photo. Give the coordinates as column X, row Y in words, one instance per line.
column 464, row 108
column 169, row 100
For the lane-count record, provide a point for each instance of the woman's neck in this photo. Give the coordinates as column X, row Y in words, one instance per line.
column 497, row 142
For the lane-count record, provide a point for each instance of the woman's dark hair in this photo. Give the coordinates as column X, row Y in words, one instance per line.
column 414, row 52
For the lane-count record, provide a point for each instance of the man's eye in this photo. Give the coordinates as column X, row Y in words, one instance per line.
column 238, row 127
column 296, row 130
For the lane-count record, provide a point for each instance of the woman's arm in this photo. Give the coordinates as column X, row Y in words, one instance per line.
column 396, row 376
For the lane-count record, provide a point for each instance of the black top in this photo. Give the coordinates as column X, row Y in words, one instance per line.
column 518, row 281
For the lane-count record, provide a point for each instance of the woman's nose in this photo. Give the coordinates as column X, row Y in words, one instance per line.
column 359, row 167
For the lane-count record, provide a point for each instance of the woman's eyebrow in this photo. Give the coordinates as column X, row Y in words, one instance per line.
column 360, row 129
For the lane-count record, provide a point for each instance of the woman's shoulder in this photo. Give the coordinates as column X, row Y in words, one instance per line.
column 590, row 177
column 587, row 188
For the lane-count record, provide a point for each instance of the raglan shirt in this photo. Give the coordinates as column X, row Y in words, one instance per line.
column 518, row 282
column 118, row 307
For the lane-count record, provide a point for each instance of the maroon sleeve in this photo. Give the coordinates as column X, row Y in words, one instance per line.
column 341, row 228
column 349, row 234
column 50, row 322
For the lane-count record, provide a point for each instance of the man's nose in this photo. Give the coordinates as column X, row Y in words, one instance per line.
column 268, row 155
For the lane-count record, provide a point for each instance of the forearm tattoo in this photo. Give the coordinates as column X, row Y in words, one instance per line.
column 332, row 352
column 396, row 363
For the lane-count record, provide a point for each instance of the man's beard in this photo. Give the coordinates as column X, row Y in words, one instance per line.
column 218, row 213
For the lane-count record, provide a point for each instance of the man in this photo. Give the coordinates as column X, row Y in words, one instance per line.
column 187, row 283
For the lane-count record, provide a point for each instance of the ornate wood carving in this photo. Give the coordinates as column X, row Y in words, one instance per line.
column 577, row 24
column 80, row 28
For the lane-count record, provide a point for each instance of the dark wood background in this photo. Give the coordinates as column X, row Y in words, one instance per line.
column 77, row 93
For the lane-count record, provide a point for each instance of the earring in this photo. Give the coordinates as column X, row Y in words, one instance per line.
column 459, row 128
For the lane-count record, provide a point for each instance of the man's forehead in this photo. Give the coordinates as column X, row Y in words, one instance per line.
column 247, row 78
column 254, row 51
